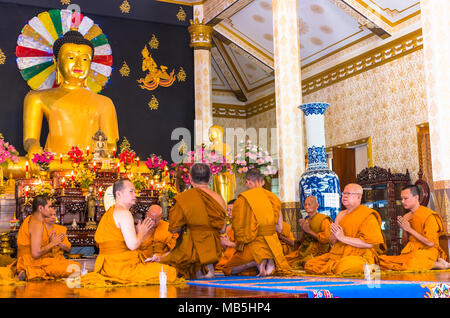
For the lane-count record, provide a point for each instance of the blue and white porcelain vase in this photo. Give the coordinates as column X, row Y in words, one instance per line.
column 319, row 180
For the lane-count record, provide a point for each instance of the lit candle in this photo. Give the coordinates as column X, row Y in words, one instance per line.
column 72, row 176
column 100, row 192
column 87, row 151
column 118, row 167
column 167, row 170
column 26, row 192
column 95, row 167
column 26, row 166
column 151, row 186
column 60, row 158
column 137, row 161
column 63, row 182
column 114, row 152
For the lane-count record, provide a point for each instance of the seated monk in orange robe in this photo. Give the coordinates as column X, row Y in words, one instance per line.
column 118, row 240
column 65, row 245
column 35, row 243
column 315, row 238
column 199, row 216
column 159, row 241
column 422, row 228
column 256, row 221
column 356, row 237
column 286, row 238
column 227, row 240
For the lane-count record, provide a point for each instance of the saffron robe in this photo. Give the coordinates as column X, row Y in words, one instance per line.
column 287, row 233
column 57, row 251
column 48, row 266
column 416, row 255
column 199, row 218
column 117, row 263
column 255, row 215
column 310, row 246
column 160, row 241
column 363, row 223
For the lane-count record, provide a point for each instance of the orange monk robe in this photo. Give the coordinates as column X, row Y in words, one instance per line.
column 287, row 233
column 44, row 267
column 363, row 223
column 229, row 251
column 310, row 246
column 416, row 255
column 159, row 241
column 57, row 251
column 255, row 215
column 115, row 262
column 201, row 218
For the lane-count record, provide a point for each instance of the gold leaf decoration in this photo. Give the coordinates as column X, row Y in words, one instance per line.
column 65, row 2
column 153, row 104
column 181, row 76
column 2, row 57
column 125, row 70
column 182, row 149
column 181, row 15
column 154, row 43
column 125, row 7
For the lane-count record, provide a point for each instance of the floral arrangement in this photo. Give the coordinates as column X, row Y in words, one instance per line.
column 7, row 153
column 127, row 157
column 156, row 164
column 139, row 181
column 171, row 191
column 85, row 178
column 76, row 155
column 43, row 188
column 43, row 160
column 252, row 156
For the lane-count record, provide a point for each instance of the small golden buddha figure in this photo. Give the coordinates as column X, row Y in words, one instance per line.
column 224, row 183
column 74, row 113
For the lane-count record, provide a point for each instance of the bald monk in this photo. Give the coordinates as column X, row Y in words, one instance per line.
column 35, row 244
column 159, row 241
column 50, row 225
column 315, row 239
column 256, row 221
column 355, row 235
column 118, row 240
column 421, row 230
column 199, row 217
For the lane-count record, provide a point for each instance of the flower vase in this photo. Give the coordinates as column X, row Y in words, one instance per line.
column 318, row 180
column 43, row 174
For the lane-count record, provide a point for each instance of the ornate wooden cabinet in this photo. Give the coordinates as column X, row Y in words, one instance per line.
column 382, row 193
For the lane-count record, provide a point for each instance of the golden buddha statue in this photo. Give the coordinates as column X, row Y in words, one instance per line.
column 74, row 113
column 224, row 183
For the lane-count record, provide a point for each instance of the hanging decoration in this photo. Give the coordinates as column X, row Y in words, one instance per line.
column 34, row 49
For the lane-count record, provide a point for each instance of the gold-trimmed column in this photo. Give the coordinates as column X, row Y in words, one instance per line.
column 288, row 94
column 436, row 48
column 201, row 42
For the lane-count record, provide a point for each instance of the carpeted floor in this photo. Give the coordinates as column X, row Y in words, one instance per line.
column 324, row 287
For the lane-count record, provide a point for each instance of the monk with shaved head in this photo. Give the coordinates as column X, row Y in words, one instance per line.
column 356, row 237
column 159, row 241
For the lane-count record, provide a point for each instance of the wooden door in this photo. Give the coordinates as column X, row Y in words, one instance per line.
column 344, row 165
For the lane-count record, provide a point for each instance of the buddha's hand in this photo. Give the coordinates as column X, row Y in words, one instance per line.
column 33, row 147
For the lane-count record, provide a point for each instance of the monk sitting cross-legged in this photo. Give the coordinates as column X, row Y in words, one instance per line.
column 50, row 224
column 355, row 235
column 35, row 243
column 256, row 221
column 159, row 241
column 421, row 228
column 118, row 239
column 315, row 238
column 199, row 217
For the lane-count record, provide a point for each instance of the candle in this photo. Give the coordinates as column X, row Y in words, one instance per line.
column 114, row 152
column 60, row 158
column 137, row 161
column 87, row 151
column 26, row 166
column 63, row 182
column 72, row 176
column 100, row 191
column 95, row 167
column 151, row 186
column 26, row 192
column 118, row 167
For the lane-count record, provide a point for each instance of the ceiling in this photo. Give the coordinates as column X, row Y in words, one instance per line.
column 242, row 56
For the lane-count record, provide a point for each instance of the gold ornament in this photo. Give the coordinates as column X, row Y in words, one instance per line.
column 181, row 76
column 65, row 2
column 200, row 35
column 153, row 104
column 125, row 70
column 154, row 43
column 181, row 15
column 2, row 57
column 182, row 149
column 125, row 7
column 125, row 145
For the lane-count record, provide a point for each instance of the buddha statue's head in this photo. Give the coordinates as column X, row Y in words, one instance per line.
column 215, row 133
column 73, row 54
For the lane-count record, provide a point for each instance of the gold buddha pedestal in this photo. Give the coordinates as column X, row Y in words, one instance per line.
column 224, row 183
